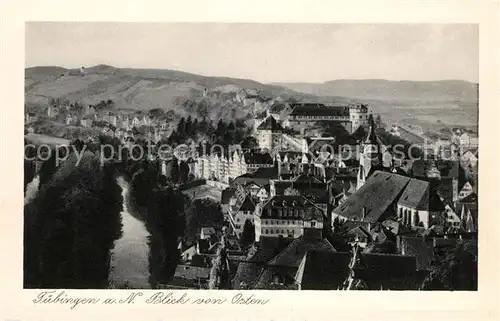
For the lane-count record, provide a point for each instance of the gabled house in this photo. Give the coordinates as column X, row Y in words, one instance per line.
column 287, row 216
column 375, row 201
column 468, row 158
column 243, row 210
column 264, row 193
column 420, row 206
column 466, row 190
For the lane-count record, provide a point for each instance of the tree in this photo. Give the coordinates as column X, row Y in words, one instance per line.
column 370, row 119
column 195, row 127
column 174, row 171
column 248, row 234
column 183, row 172
column 201, row 213
column 188, row 127
column 165, row 222
column 48, row 168
column 70, row 226
column 219, row 273
column 249, row 142
column 456, row 271
column 181, row 127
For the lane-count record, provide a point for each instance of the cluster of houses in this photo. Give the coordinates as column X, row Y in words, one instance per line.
column 316, row 215
column 313, row 215
column 109, row 122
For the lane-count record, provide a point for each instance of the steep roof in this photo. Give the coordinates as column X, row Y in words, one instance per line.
column 472, row 198
column 259, row 158
column 262, row 115
column 278, row 107
column 294, row 252
column 386, row 266
column 292, row 203
column 379, row 191
column 323, row 270
column 415, row 195
column 248, row 204
column 270, row 124
column 191, row 272
column 314, row 109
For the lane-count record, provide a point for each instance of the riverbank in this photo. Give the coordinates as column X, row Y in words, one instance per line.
column 129, row 267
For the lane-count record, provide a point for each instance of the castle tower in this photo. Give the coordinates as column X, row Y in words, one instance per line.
column 370, row 158
column 358, row 116
column 269, row 134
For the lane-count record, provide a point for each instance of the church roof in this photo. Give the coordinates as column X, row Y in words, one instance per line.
column 375, row 197
column 416, row 195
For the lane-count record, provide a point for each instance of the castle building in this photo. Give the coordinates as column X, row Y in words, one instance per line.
column 304, row 115
column 219, row 167
column 270, row 134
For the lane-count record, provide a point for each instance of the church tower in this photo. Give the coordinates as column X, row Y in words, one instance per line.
column 370, row 158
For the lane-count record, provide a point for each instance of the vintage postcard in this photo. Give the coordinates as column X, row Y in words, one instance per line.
column 172, row 166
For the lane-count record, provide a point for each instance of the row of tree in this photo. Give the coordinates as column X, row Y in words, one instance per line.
column 71, row 224
column 224, row 133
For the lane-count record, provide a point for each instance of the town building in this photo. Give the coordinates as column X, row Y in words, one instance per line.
column 304, row 115
column 87, row 121
column 287, row 216
column 270, row 134
column 215, row 167
column 30, row 117
column 370, row 158
column 387, row 195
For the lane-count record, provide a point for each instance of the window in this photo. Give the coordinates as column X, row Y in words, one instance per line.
column 313, row 224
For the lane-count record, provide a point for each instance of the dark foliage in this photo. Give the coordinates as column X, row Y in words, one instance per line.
column 71, row 225
column 248, row 234
column 457, row 271
column 201, row 213
column 165, row 221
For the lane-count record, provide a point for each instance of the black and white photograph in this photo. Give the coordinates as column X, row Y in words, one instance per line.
column 251, row 156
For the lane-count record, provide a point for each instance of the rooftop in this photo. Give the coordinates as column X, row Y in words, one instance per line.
column 375, row 196
column 270, row 124
column 313, row 109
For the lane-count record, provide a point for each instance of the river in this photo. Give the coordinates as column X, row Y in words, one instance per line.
column 130, row 255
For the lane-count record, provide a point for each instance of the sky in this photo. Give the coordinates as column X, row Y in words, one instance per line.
column 264, row 52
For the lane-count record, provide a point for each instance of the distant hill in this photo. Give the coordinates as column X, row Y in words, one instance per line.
column 145, row 89
column 182, row 94
column 387, row 90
